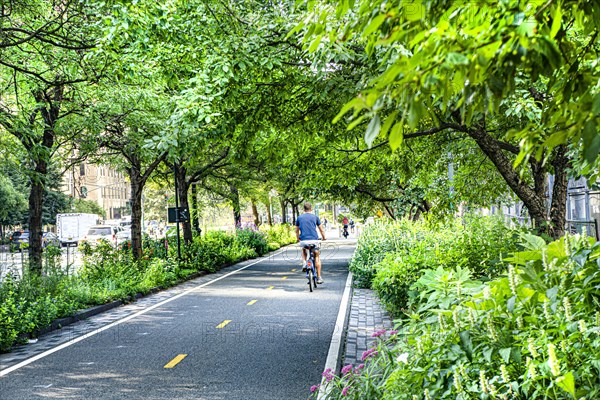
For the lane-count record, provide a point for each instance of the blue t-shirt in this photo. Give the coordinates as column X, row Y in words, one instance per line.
column 308, row 223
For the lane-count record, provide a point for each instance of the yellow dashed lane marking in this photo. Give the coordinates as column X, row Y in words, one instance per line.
column 223, row 324
column 285, row 277
column 251, row 302
column 271, row 288
column 294, row 270
column 176, row 361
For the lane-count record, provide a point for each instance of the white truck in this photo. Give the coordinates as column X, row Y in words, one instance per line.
column 73, row 227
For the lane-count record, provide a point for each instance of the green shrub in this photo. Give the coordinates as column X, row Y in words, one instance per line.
column 476, row 242
column 282, row 234
column 374, row 243
column 533, row 333
column 395, row 275
column 252, row 239
column 273, row 246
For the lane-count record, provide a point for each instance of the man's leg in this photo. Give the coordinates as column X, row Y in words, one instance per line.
column 318, row 263
column 303, row 259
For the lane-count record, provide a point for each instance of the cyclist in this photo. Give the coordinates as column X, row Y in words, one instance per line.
column 352, row 225
column 306, row 234
column 345, row 223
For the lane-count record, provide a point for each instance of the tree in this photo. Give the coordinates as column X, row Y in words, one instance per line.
column 43, row 64
column 128, row 119
column 517, row 80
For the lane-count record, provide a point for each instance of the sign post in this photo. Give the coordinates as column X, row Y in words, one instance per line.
column 177, row 214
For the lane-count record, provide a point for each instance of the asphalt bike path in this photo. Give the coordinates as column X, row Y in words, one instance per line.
column 255, row 334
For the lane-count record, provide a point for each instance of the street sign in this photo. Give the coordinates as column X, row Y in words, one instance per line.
column 180, row 214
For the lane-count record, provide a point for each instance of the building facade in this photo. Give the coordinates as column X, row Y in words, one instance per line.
column 102, row 184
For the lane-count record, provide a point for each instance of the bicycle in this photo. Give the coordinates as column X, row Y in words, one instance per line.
column 345, row 232
column 311, row 270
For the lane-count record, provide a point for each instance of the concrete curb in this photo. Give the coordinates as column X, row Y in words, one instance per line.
column 338, row 339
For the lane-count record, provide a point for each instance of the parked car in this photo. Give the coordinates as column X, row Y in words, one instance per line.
column 19, row 238
column 123, row 236
column 50, row 239
column 99, row 233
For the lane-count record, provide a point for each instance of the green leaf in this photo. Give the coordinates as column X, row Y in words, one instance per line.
column 532, row 242
column 396, row 135
column 414, row 11
column 556, row 21
column 487, row 354
column 354, row 103
column 467, row 344
column 591, row 142
column 315, row 44
column 510, row 305
column 375, row 23
column 372, row 130
column 354, row 123
column 596, row 104
column 567, row 383
column 457, row 59
column 505, row 354
column 388, row 123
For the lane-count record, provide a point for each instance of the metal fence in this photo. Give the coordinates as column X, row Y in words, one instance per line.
column 14, row 262
column 589, row 228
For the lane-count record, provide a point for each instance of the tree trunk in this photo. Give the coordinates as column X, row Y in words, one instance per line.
column 183, row 188
column 235, row 204
column 533, row 199
column 294, row 216
column 296, row 212
column 255, row 213
column 558, row 207
column 135, row 179
column 50, row 113
column 194, row 212
column 283, row 211
column 36, row 201
column 269, row 216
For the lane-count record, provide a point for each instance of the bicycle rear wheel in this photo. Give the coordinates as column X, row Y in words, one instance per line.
column 310, row 279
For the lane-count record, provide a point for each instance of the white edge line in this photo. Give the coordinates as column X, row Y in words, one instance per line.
column 33, row 359
column 336, row 339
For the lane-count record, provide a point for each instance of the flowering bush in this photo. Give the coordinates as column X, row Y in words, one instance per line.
column 365, row 380
column 532, row 333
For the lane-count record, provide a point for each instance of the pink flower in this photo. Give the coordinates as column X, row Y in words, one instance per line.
column 314, row 388
column 347, row 369
column 368, row 353
column 360, row 366
column 345, row 391
column 394, row 332
column 379, row 333
column 328, row 375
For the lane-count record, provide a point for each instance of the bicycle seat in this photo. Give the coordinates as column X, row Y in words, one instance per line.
column 309, row 246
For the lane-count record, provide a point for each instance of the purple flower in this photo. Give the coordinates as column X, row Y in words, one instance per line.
column 379, row 333
column 314, row 388
column 394, row 332
column 360, row 366
column 368, row 353
column 345, row 391
column 328, row 375
column 347, row 369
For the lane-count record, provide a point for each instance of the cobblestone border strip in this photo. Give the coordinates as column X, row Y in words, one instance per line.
column 334, row 357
